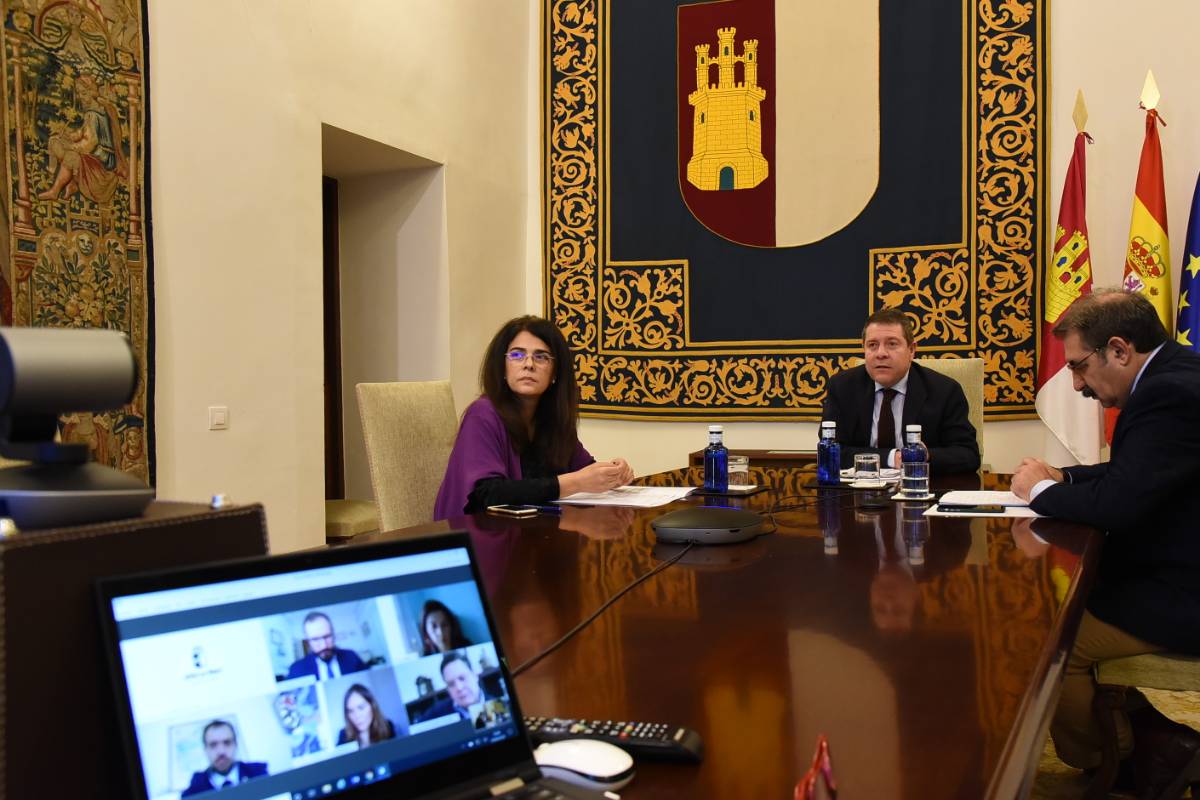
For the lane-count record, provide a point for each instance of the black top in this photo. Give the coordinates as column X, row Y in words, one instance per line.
column 538, row 485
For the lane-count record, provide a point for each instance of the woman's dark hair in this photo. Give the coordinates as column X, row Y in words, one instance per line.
column 556, row 419
column 456, row 635
column 380, row 729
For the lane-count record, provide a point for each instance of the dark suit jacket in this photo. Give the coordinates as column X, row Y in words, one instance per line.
column 933, row 401
column 1147, row 496
column 246, row 771
column 347, row 660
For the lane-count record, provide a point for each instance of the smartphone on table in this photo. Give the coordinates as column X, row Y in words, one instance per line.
column 513, row 510
column 963, row 509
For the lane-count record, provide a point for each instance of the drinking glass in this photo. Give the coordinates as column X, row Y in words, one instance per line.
column 739, row 470
column 866, row 467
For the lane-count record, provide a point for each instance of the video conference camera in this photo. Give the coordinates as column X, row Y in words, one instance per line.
column 45, row 372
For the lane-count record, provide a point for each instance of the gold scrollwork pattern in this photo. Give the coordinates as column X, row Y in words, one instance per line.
column 717, row 382
column 627, row 322
column 573, row 182
column 643, row 308
column 933, row 287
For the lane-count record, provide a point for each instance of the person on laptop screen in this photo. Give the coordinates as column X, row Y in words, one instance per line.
column 365, row 722
column 324, row 661
column 462, row 684
column 517, row 443
column 872, row 403
column 224, row 770
column 440, row 629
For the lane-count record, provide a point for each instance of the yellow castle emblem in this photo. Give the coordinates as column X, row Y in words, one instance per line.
column 727, row 119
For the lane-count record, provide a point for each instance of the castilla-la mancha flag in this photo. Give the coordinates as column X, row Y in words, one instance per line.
column 1148, row 257
column 1071, row 417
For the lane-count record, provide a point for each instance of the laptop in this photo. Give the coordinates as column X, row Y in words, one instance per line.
column 313, row 675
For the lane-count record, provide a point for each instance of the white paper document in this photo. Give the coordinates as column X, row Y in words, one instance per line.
column 634, row 496
column 1013, row 505
column 982, row 499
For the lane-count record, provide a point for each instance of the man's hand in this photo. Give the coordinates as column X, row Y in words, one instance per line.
column 1030, row 473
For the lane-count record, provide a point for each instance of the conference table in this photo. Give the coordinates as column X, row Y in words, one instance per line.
column 928, row 651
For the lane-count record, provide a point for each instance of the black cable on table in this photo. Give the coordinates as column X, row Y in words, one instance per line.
column 591, row 617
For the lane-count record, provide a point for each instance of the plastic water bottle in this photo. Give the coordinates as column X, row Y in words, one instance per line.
column 829, row 455
column 914, row 463
column 716, row 461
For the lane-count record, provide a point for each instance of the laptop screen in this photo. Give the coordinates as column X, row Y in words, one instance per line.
column 306, row 676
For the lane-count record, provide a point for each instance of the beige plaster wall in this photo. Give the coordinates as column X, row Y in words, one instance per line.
column 238, row 94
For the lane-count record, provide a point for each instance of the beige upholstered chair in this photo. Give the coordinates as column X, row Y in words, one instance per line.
column 969, row 374
column 409, row 430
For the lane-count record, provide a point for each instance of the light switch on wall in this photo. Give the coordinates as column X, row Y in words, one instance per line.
column 218, row 418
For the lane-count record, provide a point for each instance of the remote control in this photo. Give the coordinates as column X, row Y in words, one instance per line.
column 649, row 740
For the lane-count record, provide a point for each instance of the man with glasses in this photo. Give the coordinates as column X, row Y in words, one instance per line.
column 872, row 403
column 1147, row 597
column 324, row 661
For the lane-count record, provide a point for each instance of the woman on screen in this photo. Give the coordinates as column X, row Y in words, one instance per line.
column 440, row 630
column 517, row 443
column 365, row 722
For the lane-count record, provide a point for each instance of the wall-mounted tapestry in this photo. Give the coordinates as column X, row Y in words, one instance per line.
column 732, row 186
column 77, row 249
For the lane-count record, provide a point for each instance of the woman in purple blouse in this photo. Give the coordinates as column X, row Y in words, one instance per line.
column 517, row 442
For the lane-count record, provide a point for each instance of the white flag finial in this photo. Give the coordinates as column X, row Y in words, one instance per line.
column 1080, row 114
column 1150, row 94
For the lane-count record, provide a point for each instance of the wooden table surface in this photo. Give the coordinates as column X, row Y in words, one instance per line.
column 927, row 650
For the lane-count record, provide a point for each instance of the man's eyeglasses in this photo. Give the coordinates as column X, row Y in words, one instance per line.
column 1075, row 366
column 540, row 357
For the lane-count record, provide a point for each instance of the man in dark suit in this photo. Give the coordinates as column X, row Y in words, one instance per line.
column 324, row 661
column 873, row 403
column 224, row 770
column 462, row 686
column 1147, row 596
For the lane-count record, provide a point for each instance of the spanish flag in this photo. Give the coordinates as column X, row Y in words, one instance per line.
column 1148, row 256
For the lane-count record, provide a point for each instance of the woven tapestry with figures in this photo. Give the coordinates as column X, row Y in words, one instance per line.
column 77, row 245
column 732, row 186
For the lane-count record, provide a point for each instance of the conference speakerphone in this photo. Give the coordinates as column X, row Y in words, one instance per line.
column 707, row 525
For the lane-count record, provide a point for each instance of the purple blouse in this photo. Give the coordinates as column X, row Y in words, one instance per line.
column 483, row 450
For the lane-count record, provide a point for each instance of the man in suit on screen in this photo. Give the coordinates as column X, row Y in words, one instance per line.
column 872, row 403
column 324, row 661
column 1147, row 595
column 224, row 769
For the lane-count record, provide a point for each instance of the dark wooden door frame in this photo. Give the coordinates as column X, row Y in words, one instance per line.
column 335, row 467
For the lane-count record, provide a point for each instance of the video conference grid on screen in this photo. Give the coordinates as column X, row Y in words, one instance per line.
column 383, row 666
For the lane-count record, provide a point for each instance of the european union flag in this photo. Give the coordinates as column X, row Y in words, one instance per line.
column 1188, row 323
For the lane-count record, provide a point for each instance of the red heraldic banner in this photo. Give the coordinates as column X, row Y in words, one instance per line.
column 1074, row 419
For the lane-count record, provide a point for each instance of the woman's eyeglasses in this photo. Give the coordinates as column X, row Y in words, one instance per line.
column 540, row 357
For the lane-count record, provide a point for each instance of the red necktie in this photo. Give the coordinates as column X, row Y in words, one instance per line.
column 887, row 423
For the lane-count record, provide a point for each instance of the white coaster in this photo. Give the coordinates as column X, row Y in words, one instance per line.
column 917, row 499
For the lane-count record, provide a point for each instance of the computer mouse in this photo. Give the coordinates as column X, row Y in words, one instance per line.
column 589, row 763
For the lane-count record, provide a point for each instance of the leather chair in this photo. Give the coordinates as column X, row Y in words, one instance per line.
column 969, row 374
column 1169, row 671
column 409, row 430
